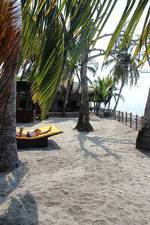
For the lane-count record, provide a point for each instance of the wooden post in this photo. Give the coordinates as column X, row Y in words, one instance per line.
column 122, row 117
column 130, row 119
column 126, row 118
column 136, row 122
column 115, row 114
column 118, row 115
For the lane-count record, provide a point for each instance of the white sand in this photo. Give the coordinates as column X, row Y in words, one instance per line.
column 96, row 178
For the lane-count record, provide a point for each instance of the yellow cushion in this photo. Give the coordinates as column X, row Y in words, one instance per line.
column 54, row 130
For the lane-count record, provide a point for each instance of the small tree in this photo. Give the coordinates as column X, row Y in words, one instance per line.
column 103, row 91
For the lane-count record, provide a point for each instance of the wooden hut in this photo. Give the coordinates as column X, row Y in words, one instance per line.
column 73, row 101
column 25, row 112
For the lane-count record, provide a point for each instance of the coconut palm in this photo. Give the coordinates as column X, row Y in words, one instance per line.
column 103, row 91
column 142, row 9
column 124, row 71
column 9, row 45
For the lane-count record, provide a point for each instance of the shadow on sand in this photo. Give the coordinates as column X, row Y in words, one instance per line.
column 22, row 210
column 9, row 181
column 16, row 207
column 100, row 142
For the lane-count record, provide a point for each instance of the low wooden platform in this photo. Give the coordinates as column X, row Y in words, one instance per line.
column 39, row 141
column 33, row 143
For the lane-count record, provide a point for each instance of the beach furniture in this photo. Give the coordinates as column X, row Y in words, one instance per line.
column 39, row 141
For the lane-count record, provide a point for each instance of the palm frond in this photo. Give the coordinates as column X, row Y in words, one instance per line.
column 136, row 10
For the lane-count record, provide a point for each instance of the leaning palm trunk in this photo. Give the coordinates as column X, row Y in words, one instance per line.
column 83, row 121
column 9, row 46
column 143, row 138
column 119, row 95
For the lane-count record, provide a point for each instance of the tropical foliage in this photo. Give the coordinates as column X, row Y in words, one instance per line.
column 124, row 71
column 54, row 31
column 104, row 90
column 73, row 25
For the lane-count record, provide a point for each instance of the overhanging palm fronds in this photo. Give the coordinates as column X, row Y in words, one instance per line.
column 9, row 46
column 43, row 42
column 136, row 11
column 63, row 24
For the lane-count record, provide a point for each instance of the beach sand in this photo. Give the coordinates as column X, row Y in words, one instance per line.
column 96, row 178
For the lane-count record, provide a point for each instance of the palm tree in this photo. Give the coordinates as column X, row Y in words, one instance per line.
column 143, row 138
column 103, row 91
column 124, row 71
column 90, row 34
column 83, row 123
column 70, row 72
column 9, row 45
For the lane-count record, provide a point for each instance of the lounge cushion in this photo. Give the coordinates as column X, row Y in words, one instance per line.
column 54, row 131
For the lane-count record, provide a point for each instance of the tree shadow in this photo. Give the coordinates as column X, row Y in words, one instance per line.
column 87, row 153
column 101, row 142
column 9, row 181
column 22, row 210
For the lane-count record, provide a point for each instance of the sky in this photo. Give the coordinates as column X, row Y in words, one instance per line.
column 135, row 97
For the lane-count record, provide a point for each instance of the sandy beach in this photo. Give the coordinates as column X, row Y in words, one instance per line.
column 96, row 178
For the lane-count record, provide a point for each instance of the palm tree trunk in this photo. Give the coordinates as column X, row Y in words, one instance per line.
column 120, row 91
column 108, row 105
column 10, row 46
column 8, row 146
column 98, row 105
column 143, row 138
column 67, row 92
column 83, row 121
